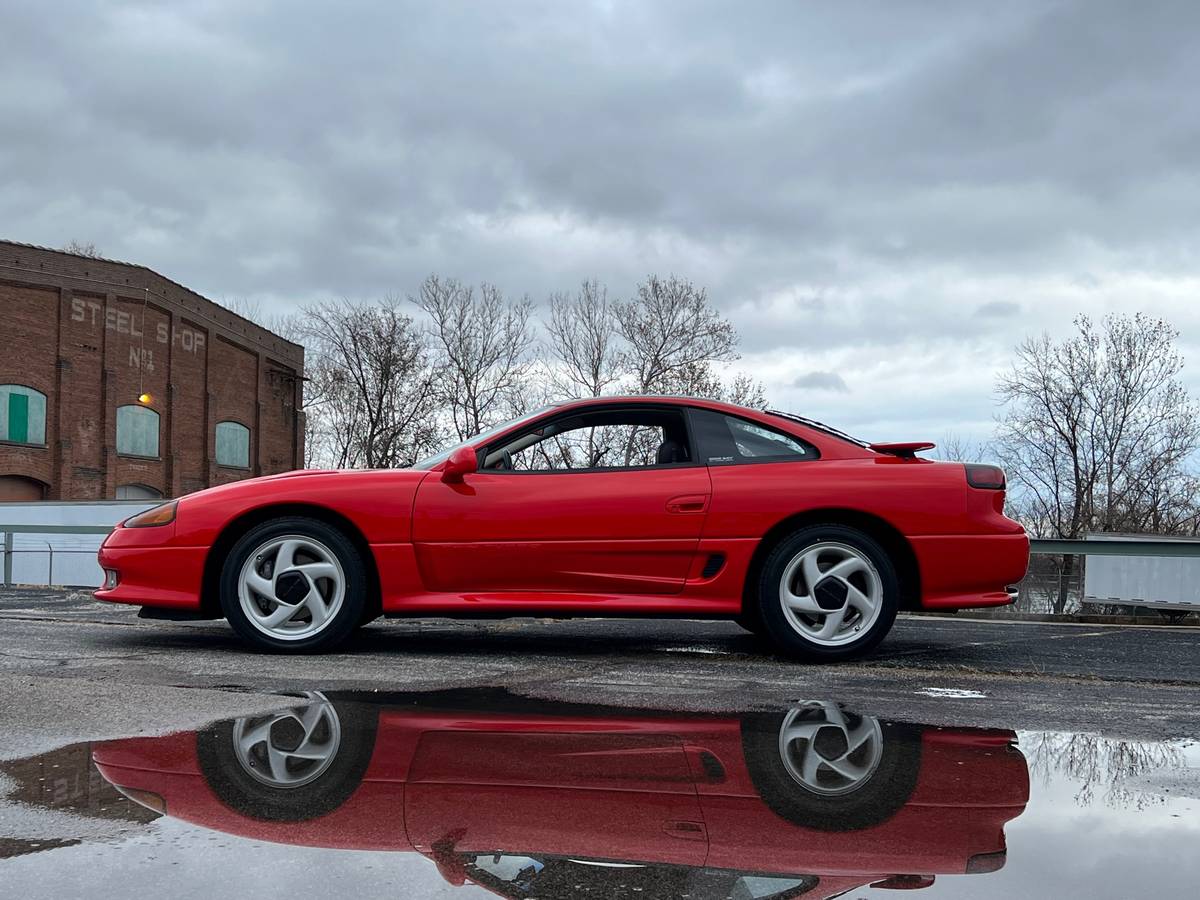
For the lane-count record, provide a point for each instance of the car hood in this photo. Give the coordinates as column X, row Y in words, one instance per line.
column 318, row 475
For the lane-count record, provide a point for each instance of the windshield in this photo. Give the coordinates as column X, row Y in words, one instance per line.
column 820, row 426
column 431, row 461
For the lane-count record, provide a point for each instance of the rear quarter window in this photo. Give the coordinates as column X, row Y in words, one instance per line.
column 728, row 440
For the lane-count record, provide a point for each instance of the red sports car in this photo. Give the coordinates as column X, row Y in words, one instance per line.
column 619, row 506
column 532, row 799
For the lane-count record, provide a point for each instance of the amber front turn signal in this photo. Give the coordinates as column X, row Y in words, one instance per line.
column 148, row 799
column 163, row 514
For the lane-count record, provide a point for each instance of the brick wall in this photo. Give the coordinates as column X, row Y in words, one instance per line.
column 92, row 335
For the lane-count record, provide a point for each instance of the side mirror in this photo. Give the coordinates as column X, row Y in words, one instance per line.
column 462, row 461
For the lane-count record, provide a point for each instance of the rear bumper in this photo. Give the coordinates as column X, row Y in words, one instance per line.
column 167, row 577
column 968, row 571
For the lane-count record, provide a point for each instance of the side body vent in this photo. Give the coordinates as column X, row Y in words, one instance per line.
column 714, row 564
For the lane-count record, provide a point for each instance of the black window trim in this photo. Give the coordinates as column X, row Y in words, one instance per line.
column 683, row 412
column 757, row 460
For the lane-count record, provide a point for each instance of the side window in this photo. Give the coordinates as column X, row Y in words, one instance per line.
column 22, row 414
column 728, row 440
column 137, row 431
column 600, row 439
column 233, row 445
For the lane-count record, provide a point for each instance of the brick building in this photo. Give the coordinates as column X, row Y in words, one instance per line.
column 116, row 382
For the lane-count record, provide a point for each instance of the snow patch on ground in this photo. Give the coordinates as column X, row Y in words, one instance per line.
column 953, row 693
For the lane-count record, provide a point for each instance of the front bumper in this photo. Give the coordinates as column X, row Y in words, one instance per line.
column 150, row 570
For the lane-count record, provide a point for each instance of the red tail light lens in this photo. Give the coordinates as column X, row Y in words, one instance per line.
column 988, row 478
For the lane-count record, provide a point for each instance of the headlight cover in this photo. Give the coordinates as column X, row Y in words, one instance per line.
column 163, row 514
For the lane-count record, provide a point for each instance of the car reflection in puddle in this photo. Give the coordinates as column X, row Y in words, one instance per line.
column 482, row 792
column 529, row 799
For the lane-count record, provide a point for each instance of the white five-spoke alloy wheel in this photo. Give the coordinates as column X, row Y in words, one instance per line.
column 827, row 751
column 291, row 748
column 291, row 587
column 831, row 593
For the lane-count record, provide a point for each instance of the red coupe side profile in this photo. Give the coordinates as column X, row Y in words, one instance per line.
column 547, row 800
column 618, row 506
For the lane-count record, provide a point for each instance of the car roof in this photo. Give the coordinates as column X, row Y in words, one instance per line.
column 657, row 400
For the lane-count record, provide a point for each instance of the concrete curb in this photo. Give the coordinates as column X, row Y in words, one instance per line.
column 1191, row 621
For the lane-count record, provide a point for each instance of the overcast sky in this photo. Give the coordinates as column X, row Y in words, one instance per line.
column 884, row 198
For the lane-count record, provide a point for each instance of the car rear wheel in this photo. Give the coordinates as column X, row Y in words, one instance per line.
column 294, row 585
column 824, row 767
column 827, row 592
column 752, row 622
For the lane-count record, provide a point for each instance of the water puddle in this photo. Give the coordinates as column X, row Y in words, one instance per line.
column 484, row 793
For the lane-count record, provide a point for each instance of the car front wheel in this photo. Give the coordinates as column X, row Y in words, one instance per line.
column 827, row 592
column 294, row 585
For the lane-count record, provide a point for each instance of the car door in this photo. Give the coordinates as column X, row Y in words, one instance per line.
column 618, row 529
column 614, row 795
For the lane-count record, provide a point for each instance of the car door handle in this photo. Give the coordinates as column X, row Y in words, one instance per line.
column 688, row 831
column 688, row 503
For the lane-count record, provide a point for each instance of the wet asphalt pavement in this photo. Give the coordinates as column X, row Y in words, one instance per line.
column 610, row 758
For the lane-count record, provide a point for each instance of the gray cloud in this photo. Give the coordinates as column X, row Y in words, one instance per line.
column 821, row 381
column 849, row 180
column 998, row 309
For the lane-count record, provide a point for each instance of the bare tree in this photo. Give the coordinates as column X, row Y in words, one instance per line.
column 582, row 337
column 82, row 248
column 380, row 389
column 704, row 381
column 1097, row 433
column 744, row 391
column 672, row 337
column 1101, row 768
column 955, row 448
column 673, row 340
column 372, row 391
column 483, row 346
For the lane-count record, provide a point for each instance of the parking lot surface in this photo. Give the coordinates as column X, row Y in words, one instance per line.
column 615, row 758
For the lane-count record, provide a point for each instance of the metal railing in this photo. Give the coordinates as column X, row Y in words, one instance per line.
column 1117, row 546
column 10, row 550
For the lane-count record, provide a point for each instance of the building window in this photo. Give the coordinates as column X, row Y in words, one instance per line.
column 138, row 492
column 137, row 431
column 233, row 445
column 22, row 415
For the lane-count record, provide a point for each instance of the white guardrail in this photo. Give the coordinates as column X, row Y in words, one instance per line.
column 56, row 542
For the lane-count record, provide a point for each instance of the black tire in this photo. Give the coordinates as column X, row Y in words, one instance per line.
column 876, row 800
column 770, row 606
column 235, row 785
column 352, row 612
column 752, row 622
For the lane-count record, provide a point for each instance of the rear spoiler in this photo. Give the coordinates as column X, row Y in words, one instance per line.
column 905, row 450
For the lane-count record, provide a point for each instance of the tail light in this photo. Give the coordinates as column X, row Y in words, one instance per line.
column 988, row 478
